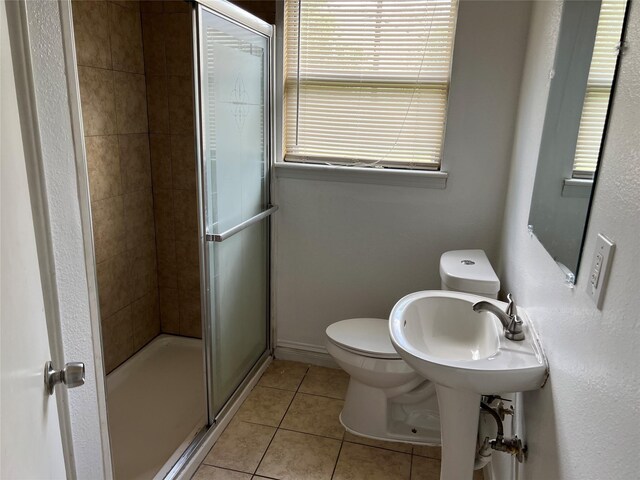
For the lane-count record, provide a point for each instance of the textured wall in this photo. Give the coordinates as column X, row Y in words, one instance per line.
column 53, row 98
column 352, row 250
column 167, row 34
column 585, row 424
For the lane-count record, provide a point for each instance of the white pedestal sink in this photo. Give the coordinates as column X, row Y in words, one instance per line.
column 466, row 355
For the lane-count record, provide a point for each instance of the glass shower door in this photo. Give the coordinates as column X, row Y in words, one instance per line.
column 234, row 80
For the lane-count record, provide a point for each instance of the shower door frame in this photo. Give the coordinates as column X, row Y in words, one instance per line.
column 245, row 20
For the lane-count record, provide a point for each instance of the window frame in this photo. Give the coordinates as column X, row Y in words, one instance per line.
column 348, row 169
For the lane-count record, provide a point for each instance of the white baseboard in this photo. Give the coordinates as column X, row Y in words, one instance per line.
column 304, row 353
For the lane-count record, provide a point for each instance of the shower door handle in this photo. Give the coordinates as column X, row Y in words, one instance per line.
column 221, row 237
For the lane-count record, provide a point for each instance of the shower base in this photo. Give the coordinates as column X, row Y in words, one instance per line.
column 155, row 405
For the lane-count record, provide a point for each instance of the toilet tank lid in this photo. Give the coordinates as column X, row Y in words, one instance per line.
column 469, row 271
column 367, row 336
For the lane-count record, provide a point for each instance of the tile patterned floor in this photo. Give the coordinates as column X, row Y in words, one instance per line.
column 288, row 429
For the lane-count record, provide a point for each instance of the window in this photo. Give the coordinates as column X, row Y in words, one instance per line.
column 596, row 101
column 366, row 81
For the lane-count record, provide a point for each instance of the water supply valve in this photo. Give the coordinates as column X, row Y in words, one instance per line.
column 512, row 446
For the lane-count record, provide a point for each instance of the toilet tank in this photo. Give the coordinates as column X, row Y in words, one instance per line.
column 468, row 271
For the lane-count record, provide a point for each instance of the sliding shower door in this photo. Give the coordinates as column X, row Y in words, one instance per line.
column 235, row 144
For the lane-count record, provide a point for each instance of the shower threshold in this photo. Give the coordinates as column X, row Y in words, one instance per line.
column 156, row 406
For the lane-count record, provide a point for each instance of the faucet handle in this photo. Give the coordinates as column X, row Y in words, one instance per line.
column 511, row 308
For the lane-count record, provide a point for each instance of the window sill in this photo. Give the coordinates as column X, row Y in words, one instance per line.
column 376, row 176
column 577, row 188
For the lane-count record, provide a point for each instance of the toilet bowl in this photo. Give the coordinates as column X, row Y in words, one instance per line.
column 386, row 399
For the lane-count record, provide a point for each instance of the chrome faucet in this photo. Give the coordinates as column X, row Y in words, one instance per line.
column 510, row 320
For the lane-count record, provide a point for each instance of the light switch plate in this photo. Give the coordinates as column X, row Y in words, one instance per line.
column 600, row 266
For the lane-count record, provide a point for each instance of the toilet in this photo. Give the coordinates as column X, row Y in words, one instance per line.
column 386, row 398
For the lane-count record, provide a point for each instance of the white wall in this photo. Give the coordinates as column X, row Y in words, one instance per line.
column 352, row 250
column 585, row 424
column 65, row 193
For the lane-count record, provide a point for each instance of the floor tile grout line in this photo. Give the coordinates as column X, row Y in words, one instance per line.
column 335, row 465
column 411, row 464
column 286, row 429
column 375, row 446
column 278, row 427
column 323, row 396
column 226, row 468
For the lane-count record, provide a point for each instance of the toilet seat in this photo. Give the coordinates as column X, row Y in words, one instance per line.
column 368, row 337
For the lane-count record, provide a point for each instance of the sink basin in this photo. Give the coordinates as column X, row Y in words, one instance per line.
column 466, row 354
column 441, row 337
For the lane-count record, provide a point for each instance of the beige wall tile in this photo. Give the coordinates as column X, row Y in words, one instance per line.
column 265, row 406
column 169, row 310
column 108, row 228
column 158, row 103
column 176, row 6
column 135, row 163
column 265, row 10
column 284, row 375
column 152, row 6
column 359, row 462
column 423, row 468
column 160, row 146
column 207, row 472
column 103, row 163
column 98, row 101
column 114, row 284
column 188, row 265
column 154, row 31
column 126, row 39
column 241, row 446
column 165, row 241
column 146, row 319
column 178, row 43
column 188, row 254
column 167, row 269
column 143, row 269
column 117, row 338
column 180, row 105
column 183, row 162
column 316, row 415
column 163, row 206
column 185, row 212
column 131, row 102
column 131, row 4
column 190, row 313
column 91, row 32
column 138, row 218
column 293, row 456
column 188, row 277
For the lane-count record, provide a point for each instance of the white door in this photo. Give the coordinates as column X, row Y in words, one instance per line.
column 30, row 438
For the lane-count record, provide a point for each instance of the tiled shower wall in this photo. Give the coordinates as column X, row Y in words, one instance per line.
column 167, row 35
column 131, row 224
column 114, row 109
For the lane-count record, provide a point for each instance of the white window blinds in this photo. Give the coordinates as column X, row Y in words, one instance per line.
column 600, row 80
column 366, row 81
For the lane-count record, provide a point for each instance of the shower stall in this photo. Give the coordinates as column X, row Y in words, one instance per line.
column 176, row 102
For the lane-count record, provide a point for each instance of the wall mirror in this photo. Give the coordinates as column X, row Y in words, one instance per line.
column 580, row 92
